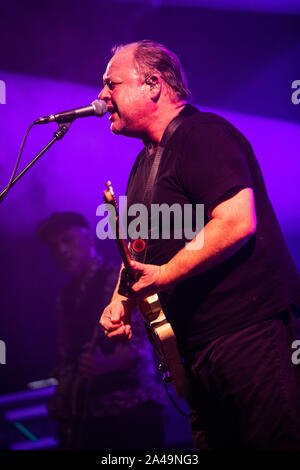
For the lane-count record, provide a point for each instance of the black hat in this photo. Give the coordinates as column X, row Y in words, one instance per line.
column 57, row 223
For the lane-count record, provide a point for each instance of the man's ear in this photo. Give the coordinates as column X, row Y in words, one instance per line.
column 155, row 84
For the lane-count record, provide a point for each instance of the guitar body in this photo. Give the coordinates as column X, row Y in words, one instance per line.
column 164, row 342
column 159, row 330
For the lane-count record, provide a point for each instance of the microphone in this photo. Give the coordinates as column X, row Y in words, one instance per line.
column 96, row 108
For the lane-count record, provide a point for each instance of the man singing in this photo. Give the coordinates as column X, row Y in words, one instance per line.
column 232, row 301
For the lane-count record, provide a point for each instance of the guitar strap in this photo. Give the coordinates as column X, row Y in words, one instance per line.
column 170, row 130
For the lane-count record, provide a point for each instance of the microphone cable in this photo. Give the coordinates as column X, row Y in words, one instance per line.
column 7, row 188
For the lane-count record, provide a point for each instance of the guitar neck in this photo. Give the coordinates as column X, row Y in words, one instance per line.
column 121, row 240
column 125, row 254
column 123, row 245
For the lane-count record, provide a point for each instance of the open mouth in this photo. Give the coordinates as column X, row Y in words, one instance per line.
column 112, row 112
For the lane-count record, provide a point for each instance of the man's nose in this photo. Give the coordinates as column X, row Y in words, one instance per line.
column 104, row 93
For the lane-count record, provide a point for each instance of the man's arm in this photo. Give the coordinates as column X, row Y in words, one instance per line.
column 231, row 224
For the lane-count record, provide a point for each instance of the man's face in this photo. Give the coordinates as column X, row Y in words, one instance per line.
column 126, row 95
column 71, row 249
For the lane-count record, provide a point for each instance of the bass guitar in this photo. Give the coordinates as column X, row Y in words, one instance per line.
column 159, row 330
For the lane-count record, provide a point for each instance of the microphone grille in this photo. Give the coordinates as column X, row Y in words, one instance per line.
column 100, row 107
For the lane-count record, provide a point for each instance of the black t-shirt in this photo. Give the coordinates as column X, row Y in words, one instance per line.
column 205, row 161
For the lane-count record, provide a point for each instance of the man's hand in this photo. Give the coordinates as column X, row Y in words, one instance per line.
column 115, row 320
column 151, row 279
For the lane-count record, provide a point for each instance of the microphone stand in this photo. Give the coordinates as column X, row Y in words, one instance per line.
column 58, row 135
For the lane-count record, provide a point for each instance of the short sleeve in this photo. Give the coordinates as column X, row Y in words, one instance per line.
column 213, row 164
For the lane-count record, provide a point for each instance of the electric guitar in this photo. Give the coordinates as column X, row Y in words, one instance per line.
column 160, row 331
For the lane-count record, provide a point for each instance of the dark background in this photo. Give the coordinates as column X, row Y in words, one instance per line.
column 221, row 50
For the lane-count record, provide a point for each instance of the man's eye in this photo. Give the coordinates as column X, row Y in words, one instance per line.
column 111, row 85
